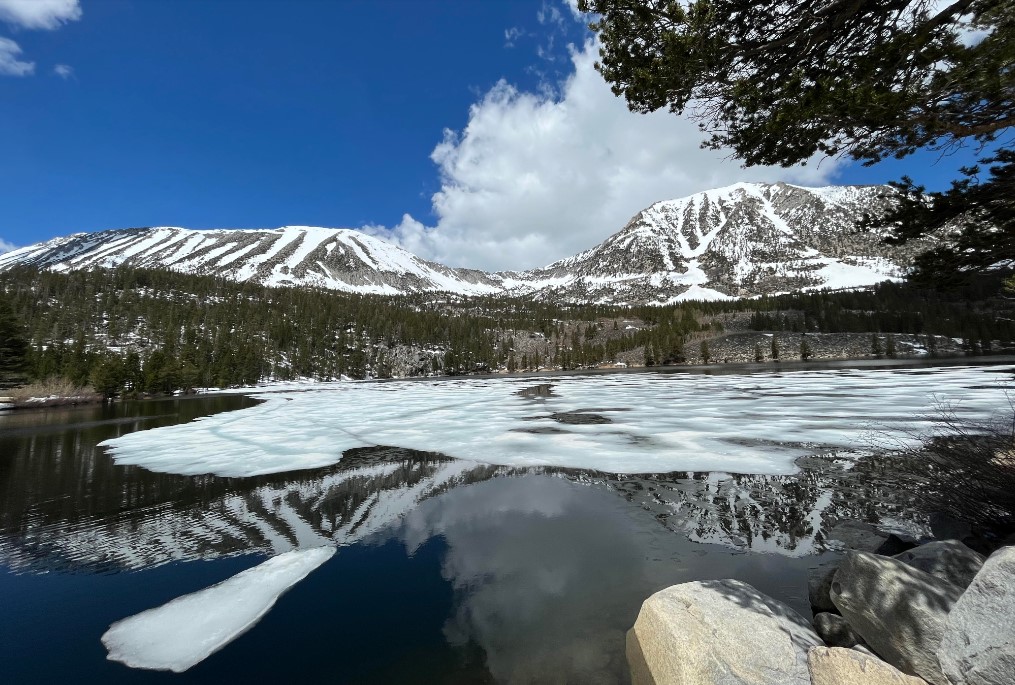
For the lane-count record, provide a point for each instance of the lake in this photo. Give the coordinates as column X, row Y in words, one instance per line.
column 474, row 530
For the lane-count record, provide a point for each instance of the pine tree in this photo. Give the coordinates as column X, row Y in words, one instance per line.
column 805, row 348
column 704, row 352
column 781, row 83
column 759, row 356
column 775, row 349
column 13, row 346
column 108, row 376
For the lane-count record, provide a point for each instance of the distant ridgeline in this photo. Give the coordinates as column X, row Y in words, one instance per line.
column 745, row 240
column 141, row 330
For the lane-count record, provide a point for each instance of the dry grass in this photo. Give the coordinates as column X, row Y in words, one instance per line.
column 51, row 392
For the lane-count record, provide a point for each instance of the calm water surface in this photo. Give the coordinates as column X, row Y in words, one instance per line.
column 447, row 571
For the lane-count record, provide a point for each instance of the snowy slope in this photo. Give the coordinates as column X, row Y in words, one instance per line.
column 340, row 259
column 744, row 240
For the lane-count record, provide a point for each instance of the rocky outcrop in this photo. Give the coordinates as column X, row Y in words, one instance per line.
column 744, row 346
column 949, row 560
column 819, row 588
column 835, row 630
column 899, row 611
column 978, row 645
column 838, row 666
column 721, row 631
column 904, row 621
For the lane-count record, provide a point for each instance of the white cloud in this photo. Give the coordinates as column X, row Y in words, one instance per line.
column 6, row 246
column 10, row 65
column 39, row 14
column 546, row 52
column 537, row 177
column 64, row 71
column 511, row 35
column 576, row 13
column 549, row 14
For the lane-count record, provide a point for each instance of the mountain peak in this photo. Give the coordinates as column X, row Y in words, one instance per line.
column 742, row 240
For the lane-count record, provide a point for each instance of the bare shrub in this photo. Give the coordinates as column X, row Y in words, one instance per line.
column 966, row 467
column 52, row 391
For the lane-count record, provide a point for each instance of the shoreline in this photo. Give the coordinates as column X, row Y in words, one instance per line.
column 721, row 368
column 732, row 368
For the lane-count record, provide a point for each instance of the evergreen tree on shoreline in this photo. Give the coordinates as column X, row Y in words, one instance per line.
column 13, row 346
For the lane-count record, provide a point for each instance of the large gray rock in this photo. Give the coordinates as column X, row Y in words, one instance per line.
column 838, row 666
column 978, row 646
column 949, row 560
column 819, row 587
column 857, row 535
column 836, row 631
column 718, row 632
column 896, row 544
column 898, row 610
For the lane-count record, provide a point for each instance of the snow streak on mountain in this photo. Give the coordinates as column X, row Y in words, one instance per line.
column 744, row 240
column 339, row 259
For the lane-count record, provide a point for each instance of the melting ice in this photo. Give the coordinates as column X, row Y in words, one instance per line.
column 624, row 423
column 185, row 631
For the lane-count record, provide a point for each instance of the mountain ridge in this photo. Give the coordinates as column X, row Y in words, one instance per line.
column 743, row 240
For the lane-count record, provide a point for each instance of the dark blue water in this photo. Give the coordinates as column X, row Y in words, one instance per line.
column 494, row 575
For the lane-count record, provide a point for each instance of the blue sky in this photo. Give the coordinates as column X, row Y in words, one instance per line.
column 473, row 132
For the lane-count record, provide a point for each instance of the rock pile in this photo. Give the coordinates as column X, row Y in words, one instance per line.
column 936, row 613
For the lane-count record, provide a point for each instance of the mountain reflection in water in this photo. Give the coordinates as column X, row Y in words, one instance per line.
column 547, row 566
column 108, row 523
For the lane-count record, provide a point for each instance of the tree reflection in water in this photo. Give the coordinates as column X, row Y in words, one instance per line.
column 548, row 565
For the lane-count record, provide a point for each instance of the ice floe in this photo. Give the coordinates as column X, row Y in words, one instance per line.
column 625, row 423
column 188, row 629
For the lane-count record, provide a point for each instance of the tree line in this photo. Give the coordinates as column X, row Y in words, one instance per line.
column 134, row 331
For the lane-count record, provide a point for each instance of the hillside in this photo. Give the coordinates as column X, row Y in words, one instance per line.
column 142, row 330
column 745, row 240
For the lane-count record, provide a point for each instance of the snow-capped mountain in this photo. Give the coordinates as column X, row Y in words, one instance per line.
column 743, row 240
column 340, row 259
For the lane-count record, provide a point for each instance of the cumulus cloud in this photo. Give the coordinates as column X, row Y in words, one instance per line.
column 10, row 64
column 39, row 14
column 525, row 552
column 535, row 177
column 6, row 246
column 64, row 71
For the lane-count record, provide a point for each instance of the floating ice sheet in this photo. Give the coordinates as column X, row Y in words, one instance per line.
column 624, row 423
column 187, row 630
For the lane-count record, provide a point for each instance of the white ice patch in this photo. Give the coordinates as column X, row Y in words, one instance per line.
column 189, row 629
column 636, row 423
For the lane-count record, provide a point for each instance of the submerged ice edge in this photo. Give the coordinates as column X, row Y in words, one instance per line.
column 636, row 423
column 187, row 630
